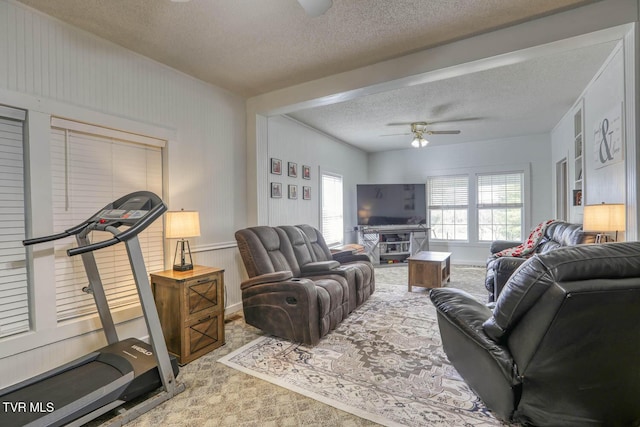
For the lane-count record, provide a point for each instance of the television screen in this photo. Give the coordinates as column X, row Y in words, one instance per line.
column 391, row 204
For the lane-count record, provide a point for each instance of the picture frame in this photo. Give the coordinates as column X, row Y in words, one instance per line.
column 293, row 191
column 293, row 169
column 276, row 190
column 306, row 192
column 276, row 166
column 306, row 172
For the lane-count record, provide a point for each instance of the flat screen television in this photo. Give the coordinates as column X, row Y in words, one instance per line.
column 391, row 204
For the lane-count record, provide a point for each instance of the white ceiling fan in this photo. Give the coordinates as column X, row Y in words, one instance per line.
column 419, row 130
column 315, row 8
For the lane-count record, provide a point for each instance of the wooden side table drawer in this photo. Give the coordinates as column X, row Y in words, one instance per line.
column 191, row 309
column 202, row 336
column 202, row 295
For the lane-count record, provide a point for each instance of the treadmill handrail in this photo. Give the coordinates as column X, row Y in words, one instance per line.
column 70, row 232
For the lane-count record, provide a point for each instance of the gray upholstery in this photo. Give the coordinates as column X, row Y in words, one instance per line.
column 364, row 284
column 276, row 299
column 289, row 292
column 560, row 347
column 558, row 234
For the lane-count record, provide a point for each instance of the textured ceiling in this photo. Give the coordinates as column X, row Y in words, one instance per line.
column 252, row 47
column 522, row 99
column 256, row 46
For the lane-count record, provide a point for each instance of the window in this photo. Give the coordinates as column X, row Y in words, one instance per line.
column 449, row 207
column 90, row 170
column 332, row 222
column 500, row 206
column 14, row 299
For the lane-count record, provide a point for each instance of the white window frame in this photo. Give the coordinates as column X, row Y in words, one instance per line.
column 472, row 172
column 501, row 205
column 15, row 316
column 447, row 207
column 45, row 330
column 327, row 234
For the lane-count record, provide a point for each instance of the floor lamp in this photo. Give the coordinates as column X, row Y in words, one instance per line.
column 179, row 225
column 604, row 218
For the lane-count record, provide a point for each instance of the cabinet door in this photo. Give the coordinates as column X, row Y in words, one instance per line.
column 202, row 336
column 203, row 295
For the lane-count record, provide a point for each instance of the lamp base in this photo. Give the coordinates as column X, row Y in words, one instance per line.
column 604, row 238
column 186, row 262
column 185, row 267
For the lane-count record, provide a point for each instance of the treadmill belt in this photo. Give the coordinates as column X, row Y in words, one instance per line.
column 56, row 392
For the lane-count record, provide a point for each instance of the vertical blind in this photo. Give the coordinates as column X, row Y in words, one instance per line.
column 14, row 298
column 89, row 171
column 332, row 216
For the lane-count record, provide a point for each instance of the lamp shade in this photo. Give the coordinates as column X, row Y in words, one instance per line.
column 181, row 224
column 604, row 217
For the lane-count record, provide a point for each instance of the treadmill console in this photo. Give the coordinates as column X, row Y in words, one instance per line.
column 127, row 211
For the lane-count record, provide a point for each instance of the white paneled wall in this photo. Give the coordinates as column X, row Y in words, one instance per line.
column 291, row 141
column 50, row 68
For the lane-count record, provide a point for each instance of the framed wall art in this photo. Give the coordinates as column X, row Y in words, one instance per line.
column 306, row 192
column 293, row 191
column 276, row 166
column 293, row 170
column 276, row 190
column 306, row 172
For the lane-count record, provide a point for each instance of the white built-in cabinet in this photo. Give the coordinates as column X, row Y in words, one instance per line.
column 579, row 156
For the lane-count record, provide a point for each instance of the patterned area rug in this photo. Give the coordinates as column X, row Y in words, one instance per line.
column 383, row 363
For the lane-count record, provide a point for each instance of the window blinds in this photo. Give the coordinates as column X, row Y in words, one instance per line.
column 500, row 190
column 14, row 299
column 89, row 171
column 332, row 220
column 449, row 191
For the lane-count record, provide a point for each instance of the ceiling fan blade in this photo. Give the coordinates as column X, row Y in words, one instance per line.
column 315, row 8
column 402, row 123
column 443, row 132
column 397, row 134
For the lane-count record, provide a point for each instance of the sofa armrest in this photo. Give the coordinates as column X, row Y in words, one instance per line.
column 318, row 267
column 287, row 309
column 486, row 366
column 277, row 276
column 500, row 245
column 466, row 316
column 503, row 268
column 348, row 256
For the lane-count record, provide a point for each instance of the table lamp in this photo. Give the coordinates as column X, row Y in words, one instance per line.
column 181, row 224
column 604, row 218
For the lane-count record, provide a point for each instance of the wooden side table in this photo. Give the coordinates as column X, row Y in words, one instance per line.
column 429, row 269
column 191, row 310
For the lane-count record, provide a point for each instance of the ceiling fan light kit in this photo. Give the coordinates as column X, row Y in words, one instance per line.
column 419, row 129
column 419, row 141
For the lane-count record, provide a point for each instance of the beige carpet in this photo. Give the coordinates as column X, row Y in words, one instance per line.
column 383, row 363
column 217, row 395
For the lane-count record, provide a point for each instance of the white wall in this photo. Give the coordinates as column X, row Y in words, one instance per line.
column 50, row 68
column 606, row 92
column 291, row 141
column 415, row 165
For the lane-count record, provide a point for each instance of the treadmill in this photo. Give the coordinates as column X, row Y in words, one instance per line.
column 124, row 371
